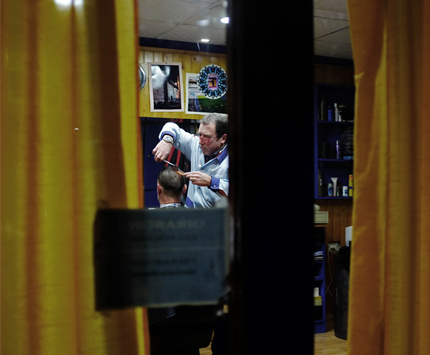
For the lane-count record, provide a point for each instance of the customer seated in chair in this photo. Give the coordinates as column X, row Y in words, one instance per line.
column 181, row 330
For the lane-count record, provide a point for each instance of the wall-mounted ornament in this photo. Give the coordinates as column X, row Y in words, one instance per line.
column 212, row 81
column 142, row 76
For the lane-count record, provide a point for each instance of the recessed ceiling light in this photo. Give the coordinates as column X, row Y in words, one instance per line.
column 225, row 20
column 205, row 40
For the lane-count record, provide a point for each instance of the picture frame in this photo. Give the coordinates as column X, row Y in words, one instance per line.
column 196, row 103
column 165, row 87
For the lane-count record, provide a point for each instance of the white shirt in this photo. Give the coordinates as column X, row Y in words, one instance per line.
column 217, row 168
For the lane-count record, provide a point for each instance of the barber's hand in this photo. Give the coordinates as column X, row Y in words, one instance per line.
column 162, row 151
column 199, row 178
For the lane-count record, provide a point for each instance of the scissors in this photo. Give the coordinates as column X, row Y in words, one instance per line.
column 175, row 168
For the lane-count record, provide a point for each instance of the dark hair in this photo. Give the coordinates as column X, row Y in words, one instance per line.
column 221, row 123
column 171, row 182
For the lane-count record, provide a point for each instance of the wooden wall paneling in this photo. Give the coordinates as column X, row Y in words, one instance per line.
column 205, row 61
column 186, row 60
column 337, row 227
column 345, row 220
column 196, row 63
column 192, row 62
column 330, row 74
column 168, row 57
column 214, row 60
column 144, row 105
column 159, row 57
column 148, row 56
column 340, row 217
column 223, row 63
column 141, row 62
column 141, row 57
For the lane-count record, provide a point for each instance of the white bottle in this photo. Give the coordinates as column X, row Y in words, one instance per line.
column 336, row 112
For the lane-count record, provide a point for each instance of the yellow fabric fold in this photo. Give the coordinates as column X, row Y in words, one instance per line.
column 389, row 312
column 69, row 144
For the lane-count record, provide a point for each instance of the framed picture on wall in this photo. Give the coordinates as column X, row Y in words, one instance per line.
column 165, row 87
column 198, row 103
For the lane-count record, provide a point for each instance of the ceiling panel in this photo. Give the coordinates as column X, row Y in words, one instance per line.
column 210, row 16
column 174, row 11
column 154, row 29
column 194, row 34
column 192, row 20
column 338, row 6
column 325, row 26
column 331, row 29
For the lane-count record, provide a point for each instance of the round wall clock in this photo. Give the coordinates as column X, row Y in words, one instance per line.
column 142, row 76
column 212, row 81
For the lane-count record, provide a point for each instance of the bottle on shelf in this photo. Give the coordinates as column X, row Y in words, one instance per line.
column 330, row 189
column 336, row 112
column 323, row 108
column 330, row 114
column 345, row 192
column 339, row 189
column 338, row 150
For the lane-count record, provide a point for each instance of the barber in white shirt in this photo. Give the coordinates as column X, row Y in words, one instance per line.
column 208, row 154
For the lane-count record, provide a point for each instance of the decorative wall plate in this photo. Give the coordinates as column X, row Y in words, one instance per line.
column 212, row 81
column 142, row 76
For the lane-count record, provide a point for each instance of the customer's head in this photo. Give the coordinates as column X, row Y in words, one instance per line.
column 170, row 185
column 212, row 133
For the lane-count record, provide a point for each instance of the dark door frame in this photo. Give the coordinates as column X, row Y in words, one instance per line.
column 270, row 66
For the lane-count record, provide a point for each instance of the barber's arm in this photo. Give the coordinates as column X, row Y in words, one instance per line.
column 202, row 179
column 172, row 135
column 163, row 148
column 220, row 185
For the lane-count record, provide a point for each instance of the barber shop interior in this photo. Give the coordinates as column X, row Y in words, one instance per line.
column 215, row 177
column 205, row 83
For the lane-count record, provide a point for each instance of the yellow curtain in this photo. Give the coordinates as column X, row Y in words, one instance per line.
column 69, row 144
column 389, row 309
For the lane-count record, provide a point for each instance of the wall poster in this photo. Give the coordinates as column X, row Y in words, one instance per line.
column 197, row 102
column 165, row 87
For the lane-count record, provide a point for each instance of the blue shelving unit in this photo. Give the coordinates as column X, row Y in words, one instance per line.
column 319, row 280
column 327, row 164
